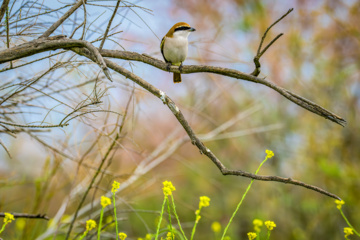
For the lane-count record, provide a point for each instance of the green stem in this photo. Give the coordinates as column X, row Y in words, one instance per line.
column 162, row 213
column 348, row 223
column 242, row 199
column 100, row 222
column 115, row 216
column 3, row 227
column 268, row 235
column 196, row 222
column 177, row 217
column 84, row 235
column 168, row 205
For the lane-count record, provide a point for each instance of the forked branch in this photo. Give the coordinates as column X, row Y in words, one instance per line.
column 194, row 139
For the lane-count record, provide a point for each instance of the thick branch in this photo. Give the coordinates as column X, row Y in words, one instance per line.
column 52, row 43
column 303, row 102
column 194, row 139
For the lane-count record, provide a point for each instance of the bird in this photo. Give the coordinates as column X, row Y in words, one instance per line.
column 174, row 46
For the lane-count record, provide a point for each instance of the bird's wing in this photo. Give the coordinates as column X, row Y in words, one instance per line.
column 162, row 48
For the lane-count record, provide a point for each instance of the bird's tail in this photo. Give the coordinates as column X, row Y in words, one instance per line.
column 177, row 77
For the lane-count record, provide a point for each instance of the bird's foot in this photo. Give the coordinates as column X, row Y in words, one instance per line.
column 180, row 67
column 168, row 67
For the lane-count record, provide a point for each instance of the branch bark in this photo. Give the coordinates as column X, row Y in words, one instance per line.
column 60, row 42
column 62, row 19
column 27, row 215
column 194, row 139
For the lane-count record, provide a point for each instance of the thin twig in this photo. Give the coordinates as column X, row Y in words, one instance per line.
column 3, row 8
column 27, row 215
column 109, row 25
column 62, row 19
column 260, row 52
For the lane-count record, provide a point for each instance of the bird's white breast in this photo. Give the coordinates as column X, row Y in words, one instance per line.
column 176, row 48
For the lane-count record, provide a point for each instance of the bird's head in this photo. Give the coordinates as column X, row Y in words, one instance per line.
column 180, row 29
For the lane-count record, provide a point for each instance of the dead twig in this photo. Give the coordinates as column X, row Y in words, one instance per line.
column 260, row 52
column 27, row 215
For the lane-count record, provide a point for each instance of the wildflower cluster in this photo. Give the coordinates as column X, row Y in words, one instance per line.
column 204, row 202
column 257, row 225
column 105, row 201
column 122, row 236
column 270, row 225
column 251, row 235
column 168, row 188
column 339, row 203
column 269, row 153
column 115, row 187
column 7, row 219
column 90, row 224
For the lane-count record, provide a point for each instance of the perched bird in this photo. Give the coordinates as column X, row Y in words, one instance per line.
column 174, row 46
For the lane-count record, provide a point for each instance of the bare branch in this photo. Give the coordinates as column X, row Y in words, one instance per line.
column 260, row 52
column 109, row 25
column 194, row 139
column 27, row 215
column 3, row 8
column 307, row 104
column 62, row 19
column 51, row 43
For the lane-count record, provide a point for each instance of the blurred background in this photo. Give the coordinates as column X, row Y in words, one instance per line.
column 48, row 170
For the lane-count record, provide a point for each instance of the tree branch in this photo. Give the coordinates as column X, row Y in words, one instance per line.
column 62, row 19
column 259, row 53
column 57, row 42
column 51, row 43
column 194, row 139
column 27, row 215
column 3, row 8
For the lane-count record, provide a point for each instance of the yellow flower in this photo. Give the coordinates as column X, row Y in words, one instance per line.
column 167, row 191
column 168, row 188
column 257, row 224
column 169, row 236
column 348, row 231
column 115, row 186
column 270, row 225
column 169, row 185
column 216, row 227
column 148, row 236
column 90, row 224
column 339, row 203
column 8, row 218
column 122, row 235
column 105, row 201
column 251, row 235
column 269, row 153
column 204, row 202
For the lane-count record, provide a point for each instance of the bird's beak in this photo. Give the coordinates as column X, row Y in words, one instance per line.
column 192, row 29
